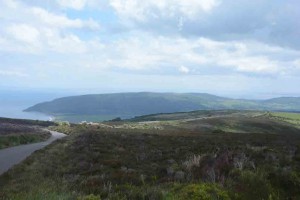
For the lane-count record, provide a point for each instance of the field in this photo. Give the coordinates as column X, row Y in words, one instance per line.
column 293, row 118
column 215, row 155
column 17, row 132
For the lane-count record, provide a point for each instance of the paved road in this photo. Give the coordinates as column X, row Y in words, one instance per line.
column 14, row 155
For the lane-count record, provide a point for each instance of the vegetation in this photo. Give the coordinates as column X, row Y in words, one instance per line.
column 90, row 118
column 16, row 132
column 200, row 158
column 103, row 107
column 15, row 140
column 293, row 118
column 27, row 122
column 193, row 115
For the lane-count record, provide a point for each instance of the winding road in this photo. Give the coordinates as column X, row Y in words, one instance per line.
column 14, row 155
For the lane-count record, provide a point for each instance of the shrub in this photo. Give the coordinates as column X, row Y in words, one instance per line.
column 287, row 183
column 193, row 161
column 90, row 197
column 254, row 185
column 200, row 191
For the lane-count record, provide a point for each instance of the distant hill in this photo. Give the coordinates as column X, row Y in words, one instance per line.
column 145, row 103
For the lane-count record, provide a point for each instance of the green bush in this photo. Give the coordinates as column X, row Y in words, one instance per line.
column 286, row 183
column 200, row 191
column 90, row 197
column 254, row 185
column 15, row 140
column 132, row 192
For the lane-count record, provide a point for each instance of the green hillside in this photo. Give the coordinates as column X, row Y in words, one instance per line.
column 207, row 155
column 135, row 104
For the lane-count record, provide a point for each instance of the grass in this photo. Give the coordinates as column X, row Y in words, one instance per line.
column 15, row 140
column 26, row 122
column 18, row 132
column 89, row 118
column 185, row 115
column 292, row 118
column 126, row 160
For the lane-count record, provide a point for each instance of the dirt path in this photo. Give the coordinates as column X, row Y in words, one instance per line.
column 14, row 155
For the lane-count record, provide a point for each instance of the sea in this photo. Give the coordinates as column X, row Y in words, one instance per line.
column 12, row 104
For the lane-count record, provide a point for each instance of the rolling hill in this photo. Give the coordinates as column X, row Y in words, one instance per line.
column 144, row 103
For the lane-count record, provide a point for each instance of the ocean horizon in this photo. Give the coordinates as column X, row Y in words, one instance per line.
column 12, row 104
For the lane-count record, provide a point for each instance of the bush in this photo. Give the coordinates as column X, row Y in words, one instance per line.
column 90, row 197
column 254, row 185
column 200, row 191
column 287, row 183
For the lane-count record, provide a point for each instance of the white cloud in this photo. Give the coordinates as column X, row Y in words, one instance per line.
column 208, row 40
column 83, row 4
column 142, row 10
column 149, row 53
column 241, row 56
column 74, row 4
column 184, row 69
column 163, row 54
column 29, row 40
column 24, row 33
column 258, row 64
column 64, row 44
column 10, row 3
column 53, row 34
column 18, row 12
column 152, row 54
column 147, row 9
column 62, row 21
column 39, row 16
column 35, row 30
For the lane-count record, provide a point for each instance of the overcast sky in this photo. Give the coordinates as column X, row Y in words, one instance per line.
column 238, row 48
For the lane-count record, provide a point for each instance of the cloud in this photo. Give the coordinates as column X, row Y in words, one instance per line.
column 203, row 55
column 80, row 5
column 74, row 4
column 184, row 69
column 41, row 16
column 24, row 33
column 36, row 31
column 62, row 21
column 148, row 54
column 27, row 39
column 83, row 39
column 153, row 9
column 64, row 44
column 140, row 51
column 273, row 22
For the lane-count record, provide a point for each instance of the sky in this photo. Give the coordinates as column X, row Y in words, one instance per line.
column 233, row 48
